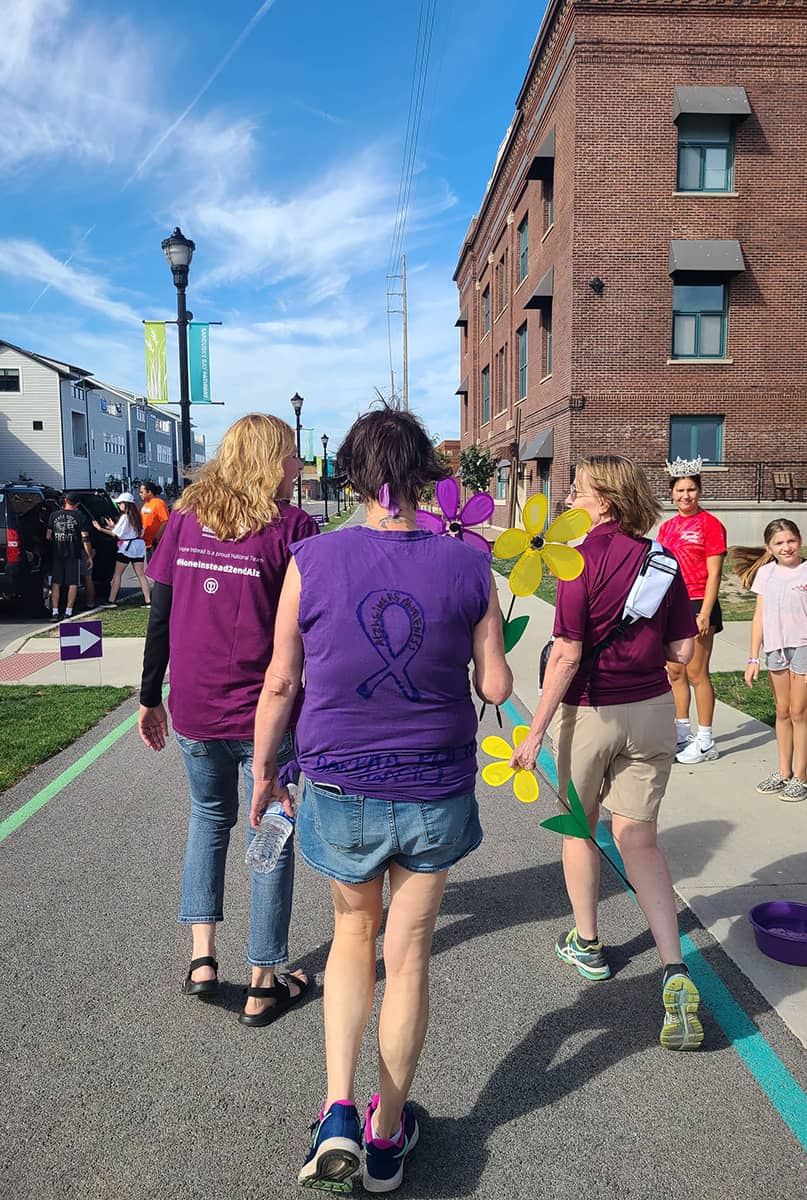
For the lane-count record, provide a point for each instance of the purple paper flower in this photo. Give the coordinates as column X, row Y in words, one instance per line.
column 475, row 511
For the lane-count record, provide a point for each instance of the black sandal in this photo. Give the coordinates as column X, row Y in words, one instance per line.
column 280, row 993
column 202, row 987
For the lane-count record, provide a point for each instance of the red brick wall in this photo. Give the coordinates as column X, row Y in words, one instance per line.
column 615, row 214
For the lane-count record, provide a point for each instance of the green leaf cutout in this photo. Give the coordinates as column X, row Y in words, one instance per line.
column 513, row 631
column 572, row 824
column 562, row 823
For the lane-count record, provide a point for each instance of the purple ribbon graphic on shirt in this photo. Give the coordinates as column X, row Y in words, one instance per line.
column 393, row 623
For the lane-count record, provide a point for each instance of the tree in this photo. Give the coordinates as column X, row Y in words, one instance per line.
column 477, row 468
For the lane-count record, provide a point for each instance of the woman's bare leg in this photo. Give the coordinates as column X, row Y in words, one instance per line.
column 780, row 682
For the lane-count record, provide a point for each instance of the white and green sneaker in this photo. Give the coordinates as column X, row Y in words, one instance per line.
column 589, row 960
column 682, row 1029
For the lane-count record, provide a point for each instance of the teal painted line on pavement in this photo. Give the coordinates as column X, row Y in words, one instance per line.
column 767, row 1068
column 18, row 818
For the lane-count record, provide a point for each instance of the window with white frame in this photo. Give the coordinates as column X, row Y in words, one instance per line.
column 502, row 477
column 142, row 457
column 164, row 454
column 162, row 426
column 9, row 379
column 521, row 342
column 78, row 426
column 523, row 249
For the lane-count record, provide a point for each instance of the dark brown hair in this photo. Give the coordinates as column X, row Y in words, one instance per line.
column 389, row 446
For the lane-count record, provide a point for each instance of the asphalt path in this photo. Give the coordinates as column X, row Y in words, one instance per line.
column 533, row 1082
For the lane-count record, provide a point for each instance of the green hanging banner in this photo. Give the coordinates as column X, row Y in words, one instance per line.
column 199, row 361
column 156, row 373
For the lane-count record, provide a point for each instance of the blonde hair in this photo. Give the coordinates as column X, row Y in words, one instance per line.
column 234, row 494
column 746, row 560
column 625, row 485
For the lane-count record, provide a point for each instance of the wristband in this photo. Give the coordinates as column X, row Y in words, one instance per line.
column 753, row 660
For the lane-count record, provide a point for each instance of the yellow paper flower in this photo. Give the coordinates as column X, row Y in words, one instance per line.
column 535, row 544
column 525, row 785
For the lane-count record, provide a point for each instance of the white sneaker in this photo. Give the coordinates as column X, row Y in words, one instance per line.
column 683, row 741
column 695, row 753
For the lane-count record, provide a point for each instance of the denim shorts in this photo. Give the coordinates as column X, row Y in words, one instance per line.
column 353, row 839
column 791, row 658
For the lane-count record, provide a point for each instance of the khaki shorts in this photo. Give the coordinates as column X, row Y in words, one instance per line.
column 619, row 755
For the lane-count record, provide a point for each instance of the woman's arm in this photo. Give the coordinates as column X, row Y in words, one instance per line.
column 560, row 671
column 101, row 529
column 152, row 722
column 752, row 666
column 493, row 679
column 714, row 567
column 280, row 687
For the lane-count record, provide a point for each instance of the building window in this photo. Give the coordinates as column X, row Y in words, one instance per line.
column 523, row 250
column 486, row 395
column 501, row 284
column 164, row 454
column 502, row 476
column 705, row 153
column 697, row 437
column 78, row 424
column 546, row 330
column 486, row 310
column 141, row 448
column 521, row 339
column 38, row 425
column 699, row 320
column 549, row 204
column 9, row 379
column 140, row 414
column 162, row 426
column 500, row 383
column 465, row 413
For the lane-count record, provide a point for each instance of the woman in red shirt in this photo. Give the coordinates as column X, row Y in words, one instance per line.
column 698, row 541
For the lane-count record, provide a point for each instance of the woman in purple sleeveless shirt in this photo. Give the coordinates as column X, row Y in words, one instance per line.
column 387, row 618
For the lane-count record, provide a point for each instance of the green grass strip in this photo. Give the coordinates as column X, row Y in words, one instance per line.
column 67, row 776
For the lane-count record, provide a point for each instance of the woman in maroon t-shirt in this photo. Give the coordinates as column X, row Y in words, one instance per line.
column 613, row 733
column 698, row 541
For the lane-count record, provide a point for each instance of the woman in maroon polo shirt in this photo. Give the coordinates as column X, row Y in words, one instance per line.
column 614, row 733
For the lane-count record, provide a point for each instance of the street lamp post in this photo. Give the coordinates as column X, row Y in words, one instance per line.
column 179, row 251
column 325, row 471
column 297, row 405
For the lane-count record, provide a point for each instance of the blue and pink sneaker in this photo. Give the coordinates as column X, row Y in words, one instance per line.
column 335, row 1154
column 384, row 1158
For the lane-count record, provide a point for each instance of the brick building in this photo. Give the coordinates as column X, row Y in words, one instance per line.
column 634, row 277
column 451, row 448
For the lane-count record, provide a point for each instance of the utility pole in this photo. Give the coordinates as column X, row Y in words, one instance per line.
column 405, row 342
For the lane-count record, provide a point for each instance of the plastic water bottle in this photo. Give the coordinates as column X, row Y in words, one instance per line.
column 275, row 830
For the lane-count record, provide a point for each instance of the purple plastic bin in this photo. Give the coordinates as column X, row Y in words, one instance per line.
column 780, row 929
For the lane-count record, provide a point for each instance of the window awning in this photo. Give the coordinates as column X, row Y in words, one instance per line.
column 711, row 102
column 540, row 445
column 462, row 319
column 462, row 390
column 543, row 292
column 724, row 256
column 543, row 165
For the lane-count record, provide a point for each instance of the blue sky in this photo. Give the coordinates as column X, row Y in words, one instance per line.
column 285, row 173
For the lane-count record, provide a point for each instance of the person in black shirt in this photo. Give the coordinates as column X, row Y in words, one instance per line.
column 69, row 531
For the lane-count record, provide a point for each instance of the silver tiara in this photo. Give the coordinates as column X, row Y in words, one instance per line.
column 681, row 468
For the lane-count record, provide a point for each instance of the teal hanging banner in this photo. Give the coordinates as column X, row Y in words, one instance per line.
column 199, row 355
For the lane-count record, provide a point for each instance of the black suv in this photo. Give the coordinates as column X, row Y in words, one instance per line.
column 24, row 512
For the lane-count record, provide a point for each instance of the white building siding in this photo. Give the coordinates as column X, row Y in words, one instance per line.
column 25, row 450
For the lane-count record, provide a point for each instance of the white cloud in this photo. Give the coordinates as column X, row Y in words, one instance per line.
column 334, row 229
column 25, row 260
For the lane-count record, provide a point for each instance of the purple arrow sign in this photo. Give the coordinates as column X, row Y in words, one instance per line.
column 80, row 639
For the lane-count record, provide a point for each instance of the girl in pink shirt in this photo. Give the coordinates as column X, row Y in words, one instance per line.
column 778, row 576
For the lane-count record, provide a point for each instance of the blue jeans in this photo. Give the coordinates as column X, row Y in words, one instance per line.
column 213, row 769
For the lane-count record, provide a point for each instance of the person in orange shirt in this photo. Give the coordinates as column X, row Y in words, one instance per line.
column 153, row 513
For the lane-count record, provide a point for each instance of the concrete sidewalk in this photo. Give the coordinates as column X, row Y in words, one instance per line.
column 728, row 847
